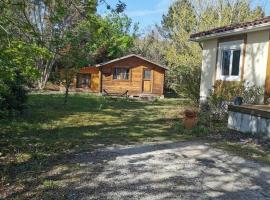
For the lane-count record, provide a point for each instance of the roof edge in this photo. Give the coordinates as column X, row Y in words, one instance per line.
column 248, row 29
column 128, row 56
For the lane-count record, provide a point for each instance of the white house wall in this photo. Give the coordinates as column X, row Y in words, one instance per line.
column 255, row 64
column 248, row 123
column 256, row 57
column 208, row 67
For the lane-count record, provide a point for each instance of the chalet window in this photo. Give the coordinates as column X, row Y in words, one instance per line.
column 147, row 74
column 125, row 73
column 83, row 80
column 117, row 73
column 229, row 60
column 120, row 73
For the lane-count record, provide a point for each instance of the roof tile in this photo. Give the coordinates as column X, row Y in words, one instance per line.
column 231, row 27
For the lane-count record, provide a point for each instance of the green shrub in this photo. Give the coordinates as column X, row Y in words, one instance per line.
column 50, row 184
column 185, row 81
column 178, row 127
column 13, row 94
column 17, row 72
column 223, row 94
column 200, row 131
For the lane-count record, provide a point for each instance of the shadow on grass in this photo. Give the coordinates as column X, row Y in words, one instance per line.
column 49, row 133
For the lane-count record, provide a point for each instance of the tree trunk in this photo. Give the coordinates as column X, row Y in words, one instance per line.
column 66, row 94
column 67, row 91
column 45, row 71
column 42, row 81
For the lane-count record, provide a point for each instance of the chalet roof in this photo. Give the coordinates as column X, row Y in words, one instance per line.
column 233, row 29
column 129, row 56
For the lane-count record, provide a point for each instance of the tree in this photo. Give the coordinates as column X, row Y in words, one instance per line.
column 94, row 40
column 17, row 71
column 151, row 46
column 67, row 31
column 113, row 38
column 74, row 55
column 213, row 14
column 183, row 56
column 45, row 23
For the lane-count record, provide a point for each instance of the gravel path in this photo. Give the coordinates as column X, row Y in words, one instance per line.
column 186, row 170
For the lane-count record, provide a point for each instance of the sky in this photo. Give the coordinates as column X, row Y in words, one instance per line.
column 146, row 12
column 149, row 12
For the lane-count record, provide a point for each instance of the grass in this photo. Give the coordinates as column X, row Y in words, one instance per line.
column 245, row 145
column 49, row 132
column 48, row 127
column 240, row 144
column 250, row 151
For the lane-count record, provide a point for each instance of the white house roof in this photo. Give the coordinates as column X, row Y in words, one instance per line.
column 233, row 29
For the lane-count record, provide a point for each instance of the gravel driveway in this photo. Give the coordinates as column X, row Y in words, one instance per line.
column 185, row 170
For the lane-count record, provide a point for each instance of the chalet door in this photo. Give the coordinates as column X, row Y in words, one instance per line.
column 147, row 81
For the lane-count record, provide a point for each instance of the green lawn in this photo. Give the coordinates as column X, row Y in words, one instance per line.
column 49, row 128
column 48, row 133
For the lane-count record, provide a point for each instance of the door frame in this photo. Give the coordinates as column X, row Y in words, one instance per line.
column 151, row 80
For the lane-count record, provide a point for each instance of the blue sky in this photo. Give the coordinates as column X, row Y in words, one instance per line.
column 146, row 12
column 149, row 12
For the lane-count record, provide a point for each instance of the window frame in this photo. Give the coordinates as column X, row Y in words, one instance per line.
column 82, row 76
column 121, row 73
column 113, row 75
column 150, row 71
column 231, row 46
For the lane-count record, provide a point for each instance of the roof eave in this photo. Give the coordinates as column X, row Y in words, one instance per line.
column 128, row 56
column 238, row 31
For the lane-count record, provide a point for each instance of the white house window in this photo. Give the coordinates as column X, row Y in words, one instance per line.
column 230, row 60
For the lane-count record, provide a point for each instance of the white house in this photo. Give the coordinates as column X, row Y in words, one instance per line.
column 234, row 53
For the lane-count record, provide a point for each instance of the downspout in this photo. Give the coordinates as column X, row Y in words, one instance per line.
column 267, row 79
column 200, row 44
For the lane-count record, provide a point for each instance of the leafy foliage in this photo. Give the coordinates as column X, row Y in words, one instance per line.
column 17, row 70
column 98, row 39
column 188, row 84
column 70, row 30
column 151, row 46
column 220, row 13
column 49, row 23
column 113, row 38
column 223, row 94
column 45, row 23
